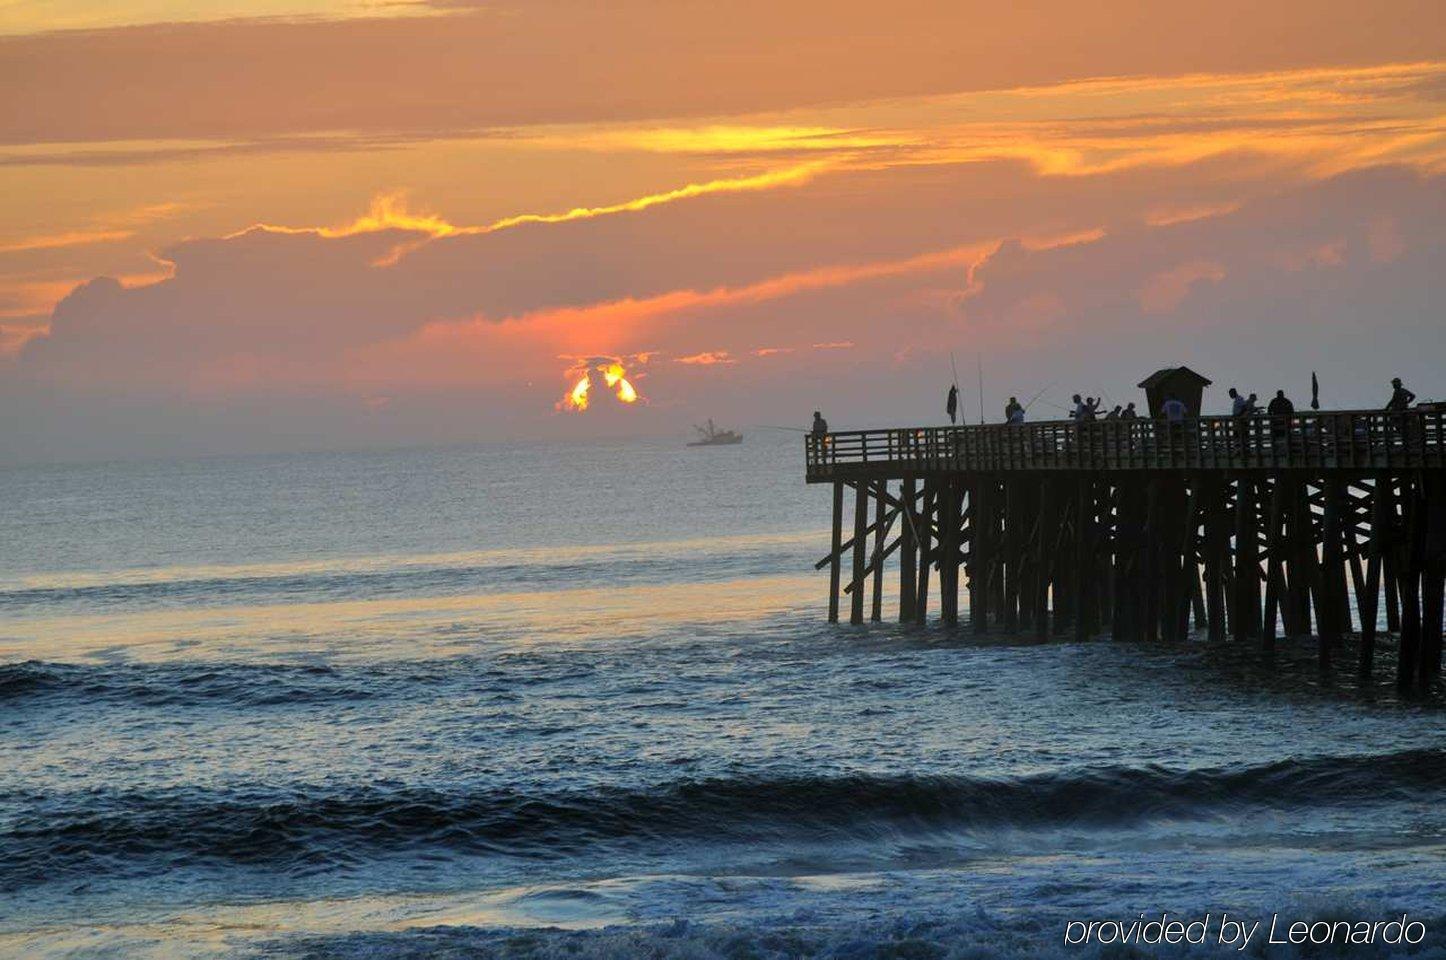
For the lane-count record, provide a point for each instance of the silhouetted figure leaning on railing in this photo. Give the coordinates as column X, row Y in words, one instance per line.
column 1281, row 410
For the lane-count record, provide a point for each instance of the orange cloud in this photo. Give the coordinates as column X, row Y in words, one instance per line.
column 707, row 358
column 605, row 326
column 389, row 211
column 1167, row 215
column 715, row 138
column 75, row 238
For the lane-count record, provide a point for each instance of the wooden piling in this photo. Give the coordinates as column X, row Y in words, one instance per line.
column 981, row 549
column 1408, row 574
column 876, row 604
column 908, row 553
column 861, row 524
column 1433, row 573
column 1245, row 615
column 1216, row 558
column 1276, row 588
column 949, row 520
column 1086, row 597
column 926, row 550
column 1376, row 548
column 835, row 553
column 1329, row 629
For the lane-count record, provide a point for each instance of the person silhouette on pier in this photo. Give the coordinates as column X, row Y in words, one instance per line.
column 820, row 425
column 1281, row 410
column 951, row 405
column 1079, row 408
column 1013, row 411
column 1115, row 413
column 1401, row 398
column 1129, row 413
column 1240, row 408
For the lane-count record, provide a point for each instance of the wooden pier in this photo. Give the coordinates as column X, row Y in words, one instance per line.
column 1256, row 527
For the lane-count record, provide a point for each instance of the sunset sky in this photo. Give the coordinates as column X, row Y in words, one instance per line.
column 251, row 225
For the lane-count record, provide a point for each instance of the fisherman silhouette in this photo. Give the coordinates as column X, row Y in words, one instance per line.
column 951, row 405
column 1129, row 412
column 820, row 425
column 1280, row 410
column 1240, row 408
column 1401, row 398
column 1013, row 411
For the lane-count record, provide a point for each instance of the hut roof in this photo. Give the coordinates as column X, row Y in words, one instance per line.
column 1160, row 375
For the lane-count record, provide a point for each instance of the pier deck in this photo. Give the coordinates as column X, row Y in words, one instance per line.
column 1256, row 527
column 1351, row 440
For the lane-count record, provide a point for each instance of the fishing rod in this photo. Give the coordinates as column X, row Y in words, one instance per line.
column 769, row 426
column 1037, row 394
column 979, row 363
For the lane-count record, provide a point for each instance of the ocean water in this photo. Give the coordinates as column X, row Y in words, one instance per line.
column 581, row 701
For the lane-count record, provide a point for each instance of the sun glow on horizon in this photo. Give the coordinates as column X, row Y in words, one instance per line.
column 614, row 376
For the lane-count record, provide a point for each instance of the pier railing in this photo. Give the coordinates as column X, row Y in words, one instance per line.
column 1324, row 440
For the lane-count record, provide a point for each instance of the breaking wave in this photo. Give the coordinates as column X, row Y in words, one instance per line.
column 316, row 827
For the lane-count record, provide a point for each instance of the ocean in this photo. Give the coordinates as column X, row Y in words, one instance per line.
column 580, row 700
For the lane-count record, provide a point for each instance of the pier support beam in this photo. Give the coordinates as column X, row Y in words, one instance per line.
column 1217, row 547
column 1376, row 548
column 1433, row 573
column 1408, row 556
column 876, row 600
column 861, row 527
column 981, row 551
column 1086, row 611
column 1245, row 614
column 1044, row 540
column 1332, row 583
column 908, row 553
column 926, row 551
column 949, row 493
column 835, row 552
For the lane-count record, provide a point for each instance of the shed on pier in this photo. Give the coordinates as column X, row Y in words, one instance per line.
column 1182, row 382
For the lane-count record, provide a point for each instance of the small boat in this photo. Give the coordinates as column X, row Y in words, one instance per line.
column 711, row 436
